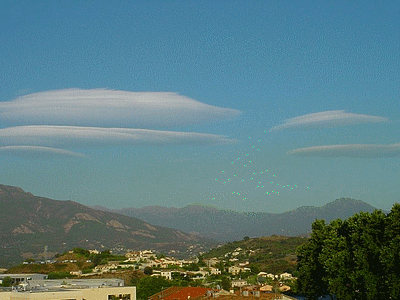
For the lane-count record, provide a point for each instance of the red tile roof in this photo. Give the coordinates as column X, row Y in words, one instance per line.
column 182, row 293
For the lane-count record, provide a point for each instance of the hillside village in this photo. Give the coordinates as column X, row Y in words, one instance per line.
column 233, row 272
column 167, row 267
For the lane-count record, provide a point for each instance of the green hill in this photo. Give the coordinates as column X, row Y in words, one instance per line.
column 274, row 254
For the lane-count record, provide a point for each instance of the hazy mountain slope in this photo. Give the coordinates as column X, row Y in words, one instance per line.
column 225, row 225
column 28, row 223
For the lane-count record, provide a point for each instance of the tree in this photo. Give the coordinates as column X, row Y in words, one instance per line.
column 226, row 283
column 390, row 254
column 81, row 251
column 201, row 262
column 7, row 281
column 192, row 267
column 150, row 285
column 353, row 259
column 59, row 275
column 221, row 266
column 311, row 272
column 148, row 270
column 255, row 269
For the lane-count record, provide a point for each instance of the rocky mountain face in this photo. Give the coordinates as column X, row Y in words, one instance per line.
column 225, row 225
column 31, row 225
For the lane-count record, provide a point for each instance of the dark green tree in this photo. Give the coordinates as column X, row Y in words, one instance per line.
column 355, row 270
column 255, row 269
column 148, row 270
column 353, row 259
column 226, row 283
column 150, row 285
column 7, row 281
column 59, row 275
column 390, row 254
column 221, row 266
column 201, row 262
column 311, row 272
column 81, row 251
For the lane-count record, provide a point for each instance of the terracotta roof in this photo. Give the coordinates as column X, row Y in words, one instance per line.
column 180, row 293
column 165, row 293
column 266, row 288
column 263, row 296
column 284, row 288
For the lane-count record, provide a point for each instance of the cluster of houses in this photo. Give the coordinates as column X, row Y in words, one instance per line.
column 34, row 287
column 165, row 266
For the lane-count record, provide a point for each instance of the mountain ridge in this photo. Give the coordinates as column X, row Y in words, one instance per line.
column 29, row 224
column 227, row 225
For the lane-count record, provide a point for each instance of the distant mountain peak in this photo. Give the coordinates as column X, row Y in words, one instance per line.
column 342, row 203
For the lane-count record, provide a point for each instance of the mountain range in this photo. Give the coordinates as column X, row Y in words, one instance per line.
column 227, row 225
column 32, row 226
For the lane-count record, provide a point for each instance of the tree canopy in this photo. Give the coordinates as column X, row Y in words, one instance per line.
column 352, row 259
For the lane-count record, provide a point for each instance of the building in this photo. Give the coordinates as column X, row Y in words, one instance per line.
column 34, row 287
column 23, row 278
column 166, row 274
column 104, row 293
column 234, row 270
column 75, row 283
column 286, row 276
column 211, row 261
column 239, row 283
column 215, row 271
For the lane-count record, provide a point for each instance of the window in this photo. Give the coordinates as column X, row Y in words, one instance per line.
column 120, row 297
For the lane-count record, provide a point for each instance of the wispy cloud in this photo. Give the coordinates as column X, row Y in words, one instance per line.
column 73, row 136
column 352, row 150
column 37, row 152
column 109, row 108
column 328, row 119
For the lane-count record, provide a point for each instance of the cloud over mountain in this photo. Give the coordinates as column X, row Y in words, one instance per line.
column 352, row 150
column 328, row 119
column 110, row 108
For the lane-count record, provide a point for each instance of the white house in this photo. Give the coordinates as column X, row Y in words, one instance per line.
column 285, row 276
column 166, row 274
column 215, row 271
column 234, row 270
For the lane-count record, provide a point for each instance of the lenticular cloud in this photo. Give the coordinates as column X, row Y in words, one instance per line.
column 110, row 108
column 38, row 152
column 327, row 119
column 74, row 136
column 352, row 150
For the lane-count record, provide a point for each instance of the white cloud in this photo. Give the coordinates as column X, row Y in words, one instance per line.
column 73, row 136
column 327, row 119
column 109, row 108
column 352, row 150
column 37, row 152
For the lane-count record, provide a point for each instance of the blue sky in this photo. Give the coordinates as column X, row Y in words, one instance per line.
column 245, row 105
